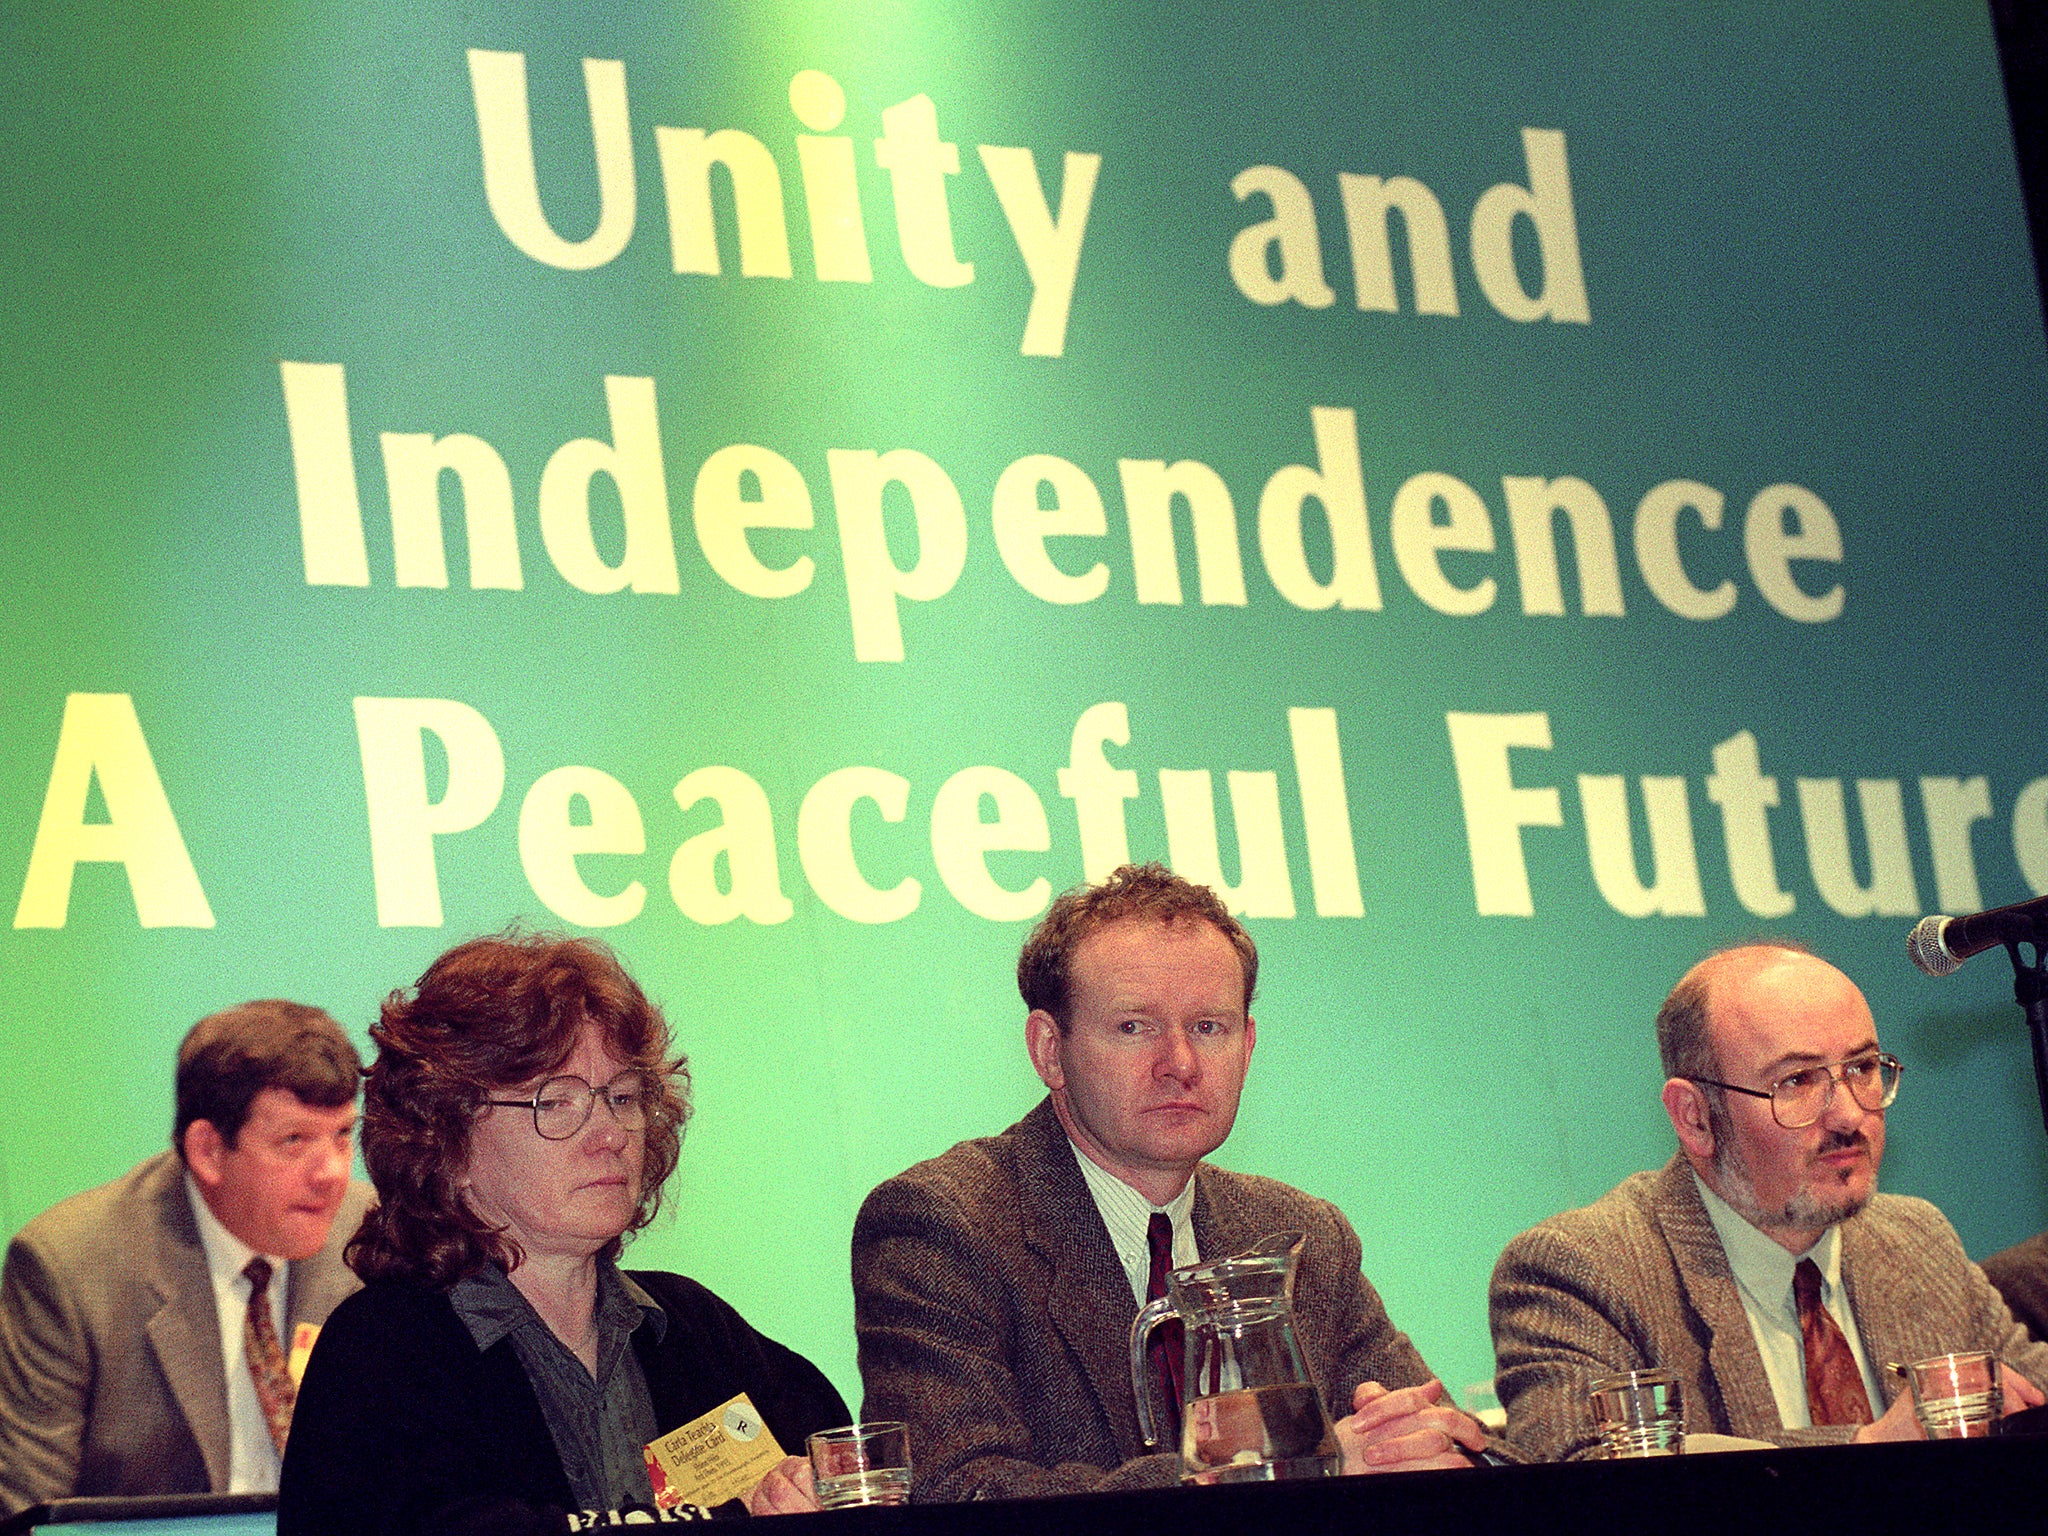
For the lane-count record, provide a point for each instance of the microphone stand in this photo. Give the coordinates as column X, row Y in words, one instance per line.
column 2030, row 991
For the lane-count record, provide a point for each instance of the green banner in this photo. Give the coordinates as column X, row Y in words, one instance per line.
column 1515, row 497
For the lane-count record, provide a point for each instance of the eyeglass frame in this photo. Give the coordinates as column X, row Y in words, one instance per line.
column 589, row 1104
column 1834, row 1071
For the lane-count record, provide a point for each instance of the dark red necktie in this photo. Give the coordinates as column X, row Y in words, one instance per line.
column 1169, row 1339
column 1834, row 1386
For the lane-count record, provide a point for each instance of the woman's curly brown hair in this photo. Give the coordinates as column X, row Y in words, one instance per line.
column 491, row 1015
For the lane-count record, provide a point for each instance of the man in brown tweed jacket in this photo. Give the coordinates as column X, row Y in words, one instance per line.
column 994, row 1287
column 2021, row 1275
column 1777, row 1091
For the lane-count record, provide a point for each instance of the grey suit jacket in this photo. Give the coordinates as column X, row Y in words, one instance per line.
column 1639, row 1279
column 994, row 1316
column 110, row 1350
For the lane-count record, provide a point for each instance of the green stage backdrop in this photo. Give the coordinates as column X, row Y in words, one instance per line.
column 1516, row 495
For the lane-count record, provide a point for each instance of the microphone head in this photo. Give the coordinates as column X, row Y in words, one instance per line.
column 1926, row 950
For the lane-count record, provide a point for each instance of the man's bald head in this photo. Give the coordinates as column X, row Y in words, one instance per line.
column 1756, row 1018
column 1685, row 1037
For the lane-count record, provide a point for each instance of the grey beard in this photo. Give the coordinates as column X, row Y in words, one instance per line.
column 1804, row 1212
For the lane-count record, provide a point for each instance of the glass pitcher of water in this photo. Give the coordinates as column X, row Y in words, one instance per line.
column 1251, row 1411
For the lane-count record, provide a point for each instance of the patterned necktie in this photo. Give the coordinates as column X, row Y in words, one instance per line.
column 1169, row 1340
column 274, row 1389
column 1834, row 1385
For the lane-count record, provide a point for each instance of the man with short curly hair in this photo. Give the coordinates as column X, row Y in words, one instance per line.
column 995, row 1286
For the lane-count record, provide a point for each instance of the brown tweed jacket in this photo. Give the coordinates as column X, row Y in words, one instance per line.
column 994, row 1317
column 2021, row 1275
column 1639, row 1279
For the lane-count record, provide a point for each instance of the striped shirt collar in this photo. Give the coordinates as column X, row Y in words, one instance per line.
column 1128, row 1216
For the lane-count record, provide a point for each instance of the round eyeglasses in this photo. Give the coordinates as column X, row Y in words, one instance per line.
column 1800, row 1098
column 562, row 1105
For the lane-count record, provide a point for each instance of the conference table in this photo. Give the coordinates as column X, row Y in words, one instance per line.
column 1978, row 1486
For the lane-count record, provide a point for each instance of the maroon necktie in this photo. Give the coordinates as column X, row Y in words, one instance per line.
column 274, row 1389
column 1169, row 1339
column 1834, row 1386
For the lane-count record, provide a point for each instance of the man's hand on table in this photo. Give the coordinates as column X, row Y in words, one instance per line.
column 1409, row 1430
column 1900, row 1422
column 2020, row 1392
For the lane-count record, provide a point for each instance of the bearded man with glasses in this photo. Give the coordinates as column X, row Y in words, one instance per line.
column 1759, row 1265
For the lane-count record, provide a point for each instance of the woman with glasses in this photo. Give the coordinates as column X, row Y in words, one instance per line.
column 498, row 1370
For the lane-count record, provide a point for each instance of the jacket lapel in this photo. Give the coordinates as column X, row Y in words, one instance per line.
column 1733, row 1362
column 1091, row 1306
column 1222, row 1226
column 1887, row 1285
column 184, row 1332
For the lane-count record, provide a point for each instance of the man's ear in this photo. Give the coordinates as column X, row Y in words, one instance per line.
column 205, row 1152
column 1042, row 1040
column 1686, row 1103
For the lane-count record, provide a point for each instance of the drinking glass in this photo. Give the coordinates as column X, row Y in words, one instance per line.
column 862, row 1464
column 1639, row 1413
column 1957, row 1396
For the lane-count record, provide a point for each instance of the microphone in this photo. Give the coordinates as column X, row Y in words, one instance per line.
column 1938, row 945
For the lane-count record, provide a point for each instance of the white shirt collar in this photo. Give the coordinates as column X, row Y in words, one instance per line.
column 1763, row 1266
column 252, row 1457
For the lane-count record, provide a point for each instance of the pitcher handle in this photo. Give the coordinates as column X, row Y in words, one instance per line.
column 1150, row 1316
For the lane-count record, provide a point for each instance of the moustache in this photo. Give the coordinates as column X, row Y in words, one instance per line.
column 1844, row 1141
